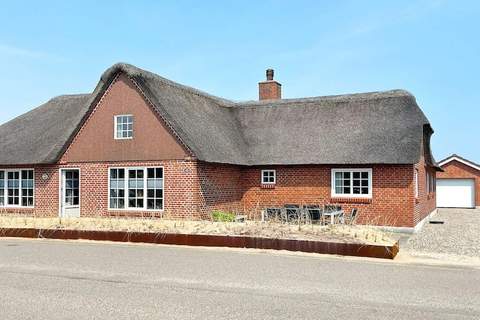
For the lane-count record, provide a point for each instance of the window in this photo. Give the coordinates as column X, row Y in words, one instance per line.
column 13, row 188
column 2, row 188
column 430, row 181
column 124, row 127
column 117, row 188
column 136, row 188
column 16, row 188
column 352, row 183
column 416, row 183
column 268, row 177
column 27, row 188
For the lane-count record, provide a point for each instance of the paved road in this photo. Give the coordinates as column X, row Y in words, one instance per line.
column 47, row 279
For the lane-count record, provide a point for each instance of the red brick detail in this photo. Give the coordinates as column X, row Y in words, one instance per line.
column 267, row 186
column 457, row 170
column 351, row 200
column 269, row 90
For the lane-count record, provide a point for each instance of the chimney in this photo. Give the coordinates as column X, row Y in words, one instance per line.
column 269, row 89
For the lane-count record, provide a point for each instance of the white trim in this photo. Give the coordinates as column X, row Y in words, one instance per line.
column 60, row 177
column 351, row 195
column 416, row 183
column 5, row 188
column 115, row 127
column 274, row 176
column 126, row 207
column 452, row 158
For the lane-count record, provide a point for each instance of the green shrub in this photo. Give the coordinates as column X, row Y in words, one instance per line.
column 222, row 216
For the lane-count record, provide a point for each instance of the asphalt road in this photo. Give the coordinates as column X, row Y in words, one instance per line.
column 47, row 279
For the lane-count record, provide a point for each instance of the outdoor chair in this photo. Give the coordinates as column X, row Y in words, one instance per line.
column 314, row 213
column 351, row 218
column 272, row 214
column 292, row 212
column 331, row 207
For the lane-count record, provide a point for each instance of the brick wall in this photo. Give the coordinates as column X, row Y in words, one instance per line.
column 193, row 189
column 220, row 187
column 426, row 201
column 180, row 189
column 392, row 194
column 458, row 170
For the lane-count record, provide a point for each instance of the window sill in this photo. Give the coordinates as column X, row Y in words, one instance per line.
column 350, row 200
column 267, row 185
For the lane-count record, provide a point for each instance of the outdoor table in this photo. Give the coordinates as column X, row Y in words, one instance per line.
column 333, row 214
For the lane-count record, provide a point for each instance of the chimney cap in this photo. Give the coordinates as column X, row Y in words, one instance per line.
column 269, row 73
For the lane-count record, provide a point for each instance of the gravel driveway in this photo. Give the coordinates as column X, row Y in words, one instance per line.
column 458, row 237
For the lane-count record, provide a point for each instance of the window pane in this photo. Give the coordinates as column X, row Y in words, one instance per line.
column 364, row 175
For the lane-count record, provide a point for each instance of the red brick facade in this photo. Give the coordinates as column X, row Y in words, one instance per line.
column 193, row 189
column 457, row 170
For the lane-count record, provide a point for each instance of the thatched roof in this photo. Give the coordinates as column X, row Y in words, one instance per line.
column 369, row 128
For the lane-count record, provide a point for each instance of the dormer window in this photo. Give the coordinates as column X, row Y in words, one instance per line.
column 123, row 127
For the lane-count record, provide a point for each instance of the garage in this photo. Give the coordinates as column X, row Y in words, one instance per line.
column 456, row 193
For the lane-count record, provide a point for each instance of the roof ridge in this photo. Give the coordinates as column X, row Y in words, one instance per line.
column 127, row 68
column 373, row 95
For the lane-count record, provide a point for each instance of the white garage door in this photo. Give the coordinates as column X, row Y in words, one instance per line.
column 455, row 193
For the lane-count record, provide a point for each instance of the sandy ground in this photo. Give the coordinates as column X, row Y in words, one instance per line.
column 336, row 233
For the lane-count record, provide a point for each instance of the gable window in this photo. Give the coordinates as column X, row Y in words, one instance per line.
column 352, row 183
column 123, row 127
column 268, row 177
column 16, row 188
column 136, row 188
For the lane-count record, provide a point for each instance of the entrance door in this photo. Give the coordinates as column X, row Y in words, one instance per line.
column 70, row 193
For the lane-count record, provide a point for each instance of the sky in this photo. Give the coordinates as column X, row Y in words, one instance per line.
column 430, row 48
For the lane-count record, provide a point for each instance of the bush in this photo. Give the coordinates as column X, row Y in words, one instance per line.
column 222, row 216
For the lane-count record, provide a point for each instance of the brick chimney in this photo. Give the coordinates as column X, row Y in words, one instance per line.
column 269, row 89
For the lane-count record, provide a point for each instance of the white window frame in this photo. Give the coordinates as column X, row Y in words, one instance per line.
column 416, row 183
column 5, row 188
column 145, row 197
column 115, row 122
column 351, row 194
column 274, row 176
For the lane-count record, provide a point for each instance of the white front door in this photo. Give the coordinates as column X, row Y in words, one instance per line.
column 70, row 193
column 455, row 193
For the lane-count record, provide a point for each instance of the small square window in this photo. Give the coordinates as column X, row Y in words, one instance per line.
column 123, row 127
column 268, row 177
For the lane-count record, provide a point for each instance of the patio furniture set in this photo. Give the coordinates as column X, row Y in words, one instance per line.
column 293, row 213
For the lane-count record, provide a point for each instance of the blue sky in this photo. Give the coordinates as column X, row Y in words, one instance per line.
column 430, row 48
